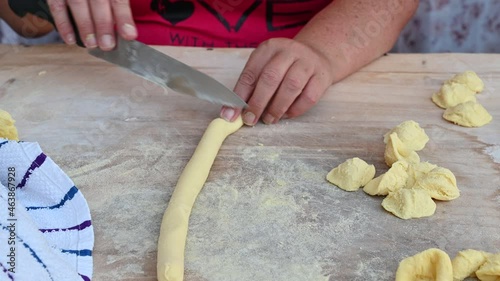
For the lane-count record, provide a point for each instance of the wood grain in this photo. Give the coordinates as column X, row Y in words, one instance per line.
column 266, row 212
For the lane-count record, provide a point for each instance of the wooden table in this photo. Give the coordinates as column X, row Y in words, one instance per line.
column 266, row 212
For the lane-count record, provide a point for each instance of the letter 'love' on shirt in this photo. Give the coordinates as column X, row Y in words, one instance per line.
column 220, row 23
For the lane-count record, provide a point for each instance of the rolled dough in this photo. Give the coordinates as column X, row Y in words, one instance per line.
column 174, row 226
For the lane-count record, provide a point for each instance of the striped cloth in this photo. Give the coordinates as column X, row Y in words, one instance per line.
column 45, row 227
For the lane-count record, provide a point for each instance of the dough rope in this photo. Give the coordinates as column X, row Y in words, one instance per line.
column 174, row 226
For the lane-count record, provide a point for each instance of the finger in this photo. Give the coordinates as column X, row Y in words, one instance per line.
column 230, row 114
column 123, row 19
column 294, row 82
column 311, row 94
column 248, row 79
column 83, row 19
column 59, row 12
column 103, row 22
column 269, row 81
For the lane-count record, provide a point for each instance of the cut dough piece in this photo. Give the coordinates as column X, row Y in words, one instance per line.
column 7, row 128
column 411, row 134
column 440, row 183
column 409, row 203
column 417, row 171
column 466, row 263
column 469, row 114
column 430, row 265
column 352, row 174
column 174, row 226
column 396, row 150
column 470, row 80
column 394, row 179
column 451, row 94
column 490, row 270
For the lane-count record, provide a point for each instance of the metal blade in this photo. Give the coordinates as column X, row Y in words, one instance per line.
column 168, row 72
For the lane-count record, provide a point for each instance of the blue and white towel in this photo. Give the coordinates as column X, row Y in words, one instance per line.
column 45, row 227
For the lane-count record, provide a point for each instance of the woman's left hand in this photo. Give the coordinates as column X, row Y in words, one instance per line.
column 283, row 78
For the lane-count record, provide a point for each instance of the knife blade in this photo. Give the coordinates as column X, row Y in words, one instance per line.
column 168, row 72
column 145, row 61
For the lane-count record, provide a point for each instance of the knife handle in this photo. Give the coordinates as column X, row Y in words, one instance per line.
column 40, row 8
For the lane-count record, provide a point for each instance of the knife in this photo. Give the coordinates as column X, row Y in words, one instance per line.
column 145, row 61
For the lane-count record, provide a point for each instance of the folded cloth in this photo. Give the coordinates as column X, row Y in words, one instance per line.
column 45, row 227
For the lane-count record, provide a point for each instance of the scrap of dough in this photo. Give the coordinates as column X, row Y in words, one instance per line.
column 409, row 203
column 417, row 170
column 440, row 183
column 396, row 150
column 7, row 128
column 352, row 174
column 470, row 80
column 469, row 114
column 452, row 93
column 490, row 270
column 466, row 263
column 411, row 134
column 430, row 265
column 174, row 226
column 394, row 179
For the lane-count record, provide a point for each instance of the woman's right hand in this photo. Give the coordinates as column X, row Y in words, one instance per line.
column 95, row 20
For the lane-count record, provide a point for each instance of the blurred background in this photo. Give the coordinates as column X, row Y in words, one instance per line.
column 466, row 26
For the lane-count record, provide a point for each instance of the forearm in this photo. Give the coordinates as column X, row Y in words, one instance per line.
column 28, row 26
column 352, row 33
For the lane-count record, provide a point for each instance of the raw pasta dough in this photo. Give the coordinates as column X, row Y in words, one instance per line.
column 466, row 263
column 490, row 270
column 174, row 226
column 352, row 174
column 469, row 79
column 468, row 114
column 430, row 265
column 411, row 134
column 457, row 96
column 435, row 265
column 7, row 128
column 396, row 150
column 409, row 203
column 410, row 185
column 452, row 94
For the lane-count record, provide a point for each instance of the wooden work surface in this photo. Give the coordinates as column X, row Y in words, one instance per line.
column 266, row 211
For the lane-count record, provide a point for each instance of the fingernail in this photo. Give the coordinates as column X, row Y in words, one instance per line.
column 107, row 41
column 90, row 41
column 227, row 113
column 268, row 119
column 129, row 30
column 249, row 119
column 70, row 39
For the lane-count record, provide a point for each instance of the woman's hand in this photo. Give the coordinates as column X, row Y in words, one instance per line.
column 95, row 19
column 283, row 78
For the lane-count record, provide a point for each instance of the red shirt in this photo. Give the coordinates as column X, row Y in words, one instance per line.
column 220, row 23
